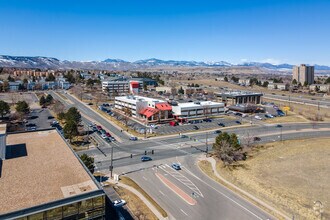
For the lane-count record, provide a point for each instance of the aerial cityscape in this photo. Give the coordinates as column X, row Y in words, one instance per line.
column 169, row 110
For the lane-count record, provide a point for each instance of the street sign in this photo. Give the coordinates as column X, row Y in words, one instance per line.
column 286, row 108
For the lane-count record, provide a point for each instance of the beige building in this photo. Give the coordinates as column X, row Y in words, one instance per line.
column 303, row 74
column 279, row 86
column 320, row 87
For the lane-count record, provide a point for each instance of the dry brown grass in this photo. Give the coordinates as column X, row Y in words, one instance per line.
column 307, row 111
column 290, row 117
column 135, row 204
column 289, row 176
column 128, row 181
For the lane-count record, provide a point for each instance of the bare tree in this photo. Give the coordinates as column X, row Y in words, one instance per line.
column 127, row 115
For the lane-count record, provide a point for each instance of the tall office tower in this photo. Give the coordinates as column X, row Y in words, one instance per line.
column 303, row 74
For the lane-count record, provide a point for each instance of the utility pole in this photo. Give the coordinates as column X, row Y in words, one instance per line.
column 281, row 133
column 111, row 161
column 206, row 143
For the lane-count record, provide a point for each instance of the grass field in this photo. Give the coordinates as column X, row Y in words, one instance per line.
column 289, row 176
column 135, row 204
column 307, row 111
column 290, row 117
column 128, row 181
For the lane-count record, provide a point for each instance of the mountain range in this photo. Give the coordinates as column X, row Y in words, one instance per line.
column 118, row 64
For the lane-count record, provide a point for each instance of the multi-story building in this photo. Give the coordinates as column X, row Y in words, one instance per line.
column 320, row 87
column 279, row 86
column 303, row 74
column 115, row 87
column 42, row 178
column 240, row 97
column 244, row 82
column 190, row 110
column 154, row 110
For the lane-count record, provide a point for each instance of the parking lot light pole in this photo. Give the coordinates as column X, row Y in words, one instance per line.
column 206, row 143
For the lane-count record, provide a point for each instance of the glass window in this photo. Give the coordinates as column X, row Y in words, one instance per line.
column 71, row 209
column 85, row 205
column 54, row 214
column 38, row 216
column 98, row 202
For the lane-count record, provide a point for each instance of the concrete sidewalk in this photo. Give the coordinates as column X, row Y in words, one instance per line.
column 144, row 199
column 250, row 196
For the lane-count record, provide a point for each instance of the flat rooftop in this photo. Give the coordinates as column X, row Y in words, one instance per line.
column 203, row 103
column 41, row 168
column 239, row 93
column 137, row 98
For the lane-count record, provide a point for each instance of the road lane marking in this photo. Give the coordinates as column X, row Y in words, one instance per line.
column 144, row 178
column 161, row 193
column 184, row 212
column 184, row 180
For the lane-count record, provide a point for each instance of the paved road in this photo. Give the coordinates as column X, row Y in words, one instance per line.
column 325, row 103
column 213, row 200
column 85, row 110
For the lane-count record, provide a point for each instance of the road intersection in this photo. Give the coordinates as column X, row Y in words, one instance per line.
column 213, row 201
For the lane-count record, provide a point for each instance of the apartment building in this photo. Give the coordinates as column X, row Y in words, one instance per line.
column 279, row 86
column 303, row 73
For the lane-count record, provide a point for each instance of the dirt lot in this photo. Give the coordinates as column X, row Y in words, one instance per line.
column 289, row 176
column 15, row 97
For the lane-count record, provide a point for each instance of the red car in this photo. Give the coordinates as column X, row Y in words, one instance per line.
column 99, row 127
column 108, row 134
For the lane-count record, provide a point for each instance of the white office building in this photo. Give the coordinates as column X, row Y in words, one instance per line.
column 143, row 107
column 189, row 110
column 115, row 87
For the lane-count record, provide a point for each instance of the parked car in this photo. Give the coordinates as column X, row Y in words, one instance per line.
column 98, row 127
column 119, row 203
column 256, row 139
column 279, row 126
column 103, row 136
column 176, row 166
column 145, row 158
column 107, row 139
column 50, row 117
column 195, row 127
column 217, row 132
column 133, row 138
column 257, row 117
column 112, row 138
column 207, row 120
column 183, row 136
column 90, row 103
column 222, row 124
column 269, row 116
column 108, row 134
column 238, row 122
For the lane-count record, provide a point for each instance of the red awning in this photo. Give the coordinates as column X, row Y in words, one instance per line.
column 164, row 106
column 148, row 112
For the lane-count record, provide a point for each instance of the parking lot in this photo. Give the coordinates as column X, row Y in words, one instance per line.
column 200, row 125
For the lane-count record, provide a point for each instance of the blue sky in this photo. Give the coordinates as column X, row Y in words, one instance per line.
column 278, row 31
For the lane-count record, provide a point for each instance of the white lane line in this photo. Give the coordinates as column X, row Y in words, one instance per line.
column 144, row 178
column 161, row 193
column 183, row 212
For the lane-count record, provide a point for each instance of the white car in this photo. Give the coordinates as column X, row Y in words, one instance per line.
column 258, row 117
column 119, row 203
column 104, row 136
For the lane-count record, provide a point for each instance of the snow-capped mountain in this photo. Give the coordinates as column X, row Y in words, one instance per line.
column 118, row 64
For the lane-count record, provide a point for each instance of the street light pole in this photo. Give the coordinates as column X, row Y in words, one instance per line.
column 111, row 161
column 206, row 144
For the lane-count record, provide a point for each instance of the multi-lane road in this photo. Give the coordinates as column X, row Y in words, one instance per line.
column 321, row 102
column 212, row 200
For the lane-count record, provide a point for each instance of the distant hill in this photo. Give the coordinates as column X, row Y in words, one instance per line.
column 118, row 64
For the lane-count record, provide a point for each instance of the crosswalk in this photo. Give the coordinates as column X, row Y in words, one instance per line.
column 181, row 178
